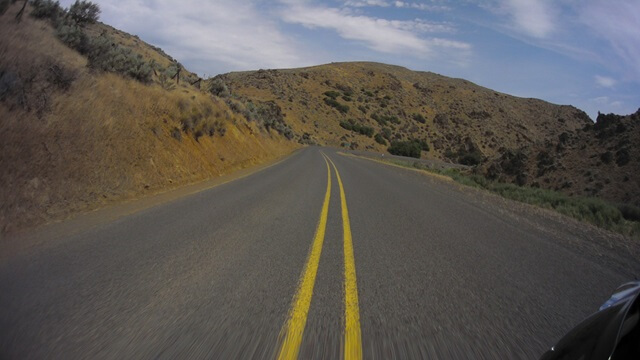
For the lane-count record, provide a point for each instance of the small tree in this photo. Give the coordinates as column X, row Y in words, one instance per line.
column 84, row 12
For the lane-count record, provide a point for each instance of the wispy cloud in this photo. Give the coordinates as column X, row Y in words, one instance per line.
column 381, row 35
column 605, row 81
column 420, row 6
column 222, row 34
column 398, row 4
column 363, row 3
column 606, row 102
column 597, row 31
column 616, row 22
column 532, row 17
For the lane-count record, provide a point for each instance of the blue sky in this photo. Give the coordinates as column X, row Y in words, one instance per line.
column 580, row 52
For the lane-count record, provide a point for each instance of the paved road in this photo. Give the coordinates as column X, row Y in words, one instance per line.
column 260, row 268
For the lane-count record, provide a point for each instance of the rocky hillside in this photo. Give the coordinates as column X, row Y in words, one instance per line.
column 91, row 116
column 368, row 105
column 530, row 142
column 601, row 159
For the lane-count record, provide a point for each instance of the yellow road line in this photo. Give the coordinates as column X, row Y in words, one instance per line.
column 300, row 308
column 352, row 334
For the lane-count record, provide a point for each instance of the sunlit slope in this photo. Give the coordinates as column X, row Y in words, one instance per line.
column 73, row 139
column 454, row 116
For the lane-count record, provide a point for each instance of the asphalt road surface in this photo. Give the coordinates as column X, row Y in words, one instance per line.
column 380, row 263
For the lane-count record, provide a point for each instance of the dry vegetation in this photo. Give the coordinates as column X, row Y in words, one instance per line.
column 462, row 122
column 74, row 139
column 510, row 139
column 601, row 159
column 78, row 131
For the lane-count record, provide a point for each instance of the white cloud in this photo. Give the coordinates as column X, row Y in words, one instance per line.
column 607, row 102
column 222, row 34
column 601, row 100
column 419, row 25
column 382, row 35
column 363, row 3
column 398, row 4
column 534, row 18
column 605, row 81
column 420, row 6
column 616, row 22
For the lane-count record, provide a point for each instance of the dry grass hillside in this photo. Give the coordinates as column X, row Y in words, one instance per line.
column 602, row 160
column 530, row 142
column 74, row 138
column 460, row 121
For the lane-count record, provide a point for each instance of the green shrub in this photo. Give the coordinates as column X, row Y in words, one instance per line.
column 335, row 104
column 218, row 88
column 380, row 139
column 332, row 94
column 364, row 130
column 470, row 158
column 630, row 212
column 176, row 134
column 84, row 12
column 419, row 118
column 346, row 125
column 606, row 157
column 622, row 218
column 384, row 119
column 623, row 157
column 70, row 33
column 479, row 115
column 591, row 210
column 423, row 144
column 386, row 133
column 355, row 127
column 268, row 114
column 378, row 119
column 165, row 81
column 441, row 119
column 106, row 56
column 46, row 9
column 405, row 148
column 60, row 76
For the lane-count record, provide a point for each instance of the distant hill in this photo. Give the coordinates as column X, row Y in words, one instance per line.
column 455, row 117
column 364, row 105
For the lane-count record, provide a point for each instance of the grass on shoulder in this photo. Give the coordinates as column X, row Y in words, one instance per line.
column 623, row 218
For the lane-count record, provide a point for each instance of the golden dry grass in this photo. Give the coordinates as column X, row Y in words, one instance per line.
column 106, row 138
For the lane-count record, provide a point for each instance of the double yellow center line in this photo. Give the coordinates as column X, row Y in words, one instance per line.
column 294, row 327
